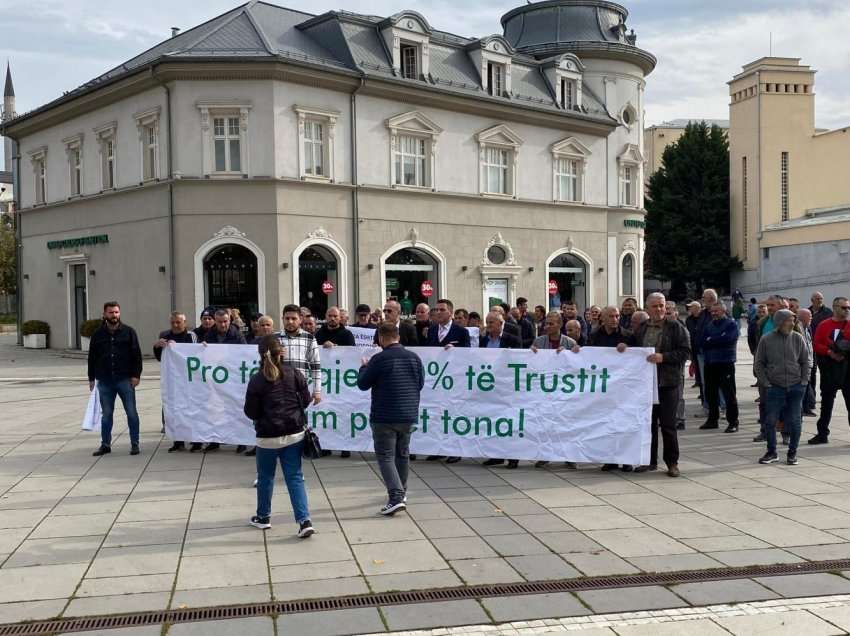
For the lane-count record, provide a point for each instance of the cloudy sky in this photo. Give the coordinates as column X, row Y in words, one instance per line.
column 56, row 45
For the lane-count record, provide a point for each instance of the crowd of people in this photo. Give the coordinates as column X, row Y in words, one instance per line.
column 789, row 344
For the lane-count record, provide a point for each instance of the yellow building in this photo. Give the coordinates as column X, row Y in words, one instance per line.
column 657, row 138
column 789, row 185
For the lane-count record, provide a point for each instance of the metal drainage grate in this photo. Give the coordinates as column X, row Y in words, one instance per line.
column 115, row 621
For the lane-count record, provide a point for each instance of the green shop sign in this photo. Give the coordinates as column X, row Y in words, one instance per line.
column 78, row 242
column 392, row 284
column 634, row 223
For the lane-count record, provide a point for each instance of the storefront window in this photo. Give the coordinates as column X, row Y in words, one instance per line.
column 409, row 273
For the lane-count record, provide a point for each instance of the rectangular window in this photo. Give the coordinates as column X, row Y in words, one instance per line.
column 745, row 235
column 496, row 171
column 567, row 172
column 76, row 172
column 409, row 61
column 314, row 135
column 410, row 162
column 108, row 163
column 149, row 150
column 226, row 141
column 41, row 181
column 783, row 175
column 628, row 189
column 495, row 79
column 567, row 94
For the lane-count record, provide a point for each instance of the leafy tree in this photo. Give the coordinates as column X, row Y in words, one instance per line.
column 8, row 282
column 687, row 212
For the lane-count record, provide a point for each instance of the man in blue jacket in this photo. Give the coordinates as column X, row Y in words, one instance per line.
column 396, row 377
column 719, row 343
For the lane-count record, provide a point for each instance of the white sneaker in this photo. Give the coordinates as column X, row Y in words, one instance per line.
column 390, row 509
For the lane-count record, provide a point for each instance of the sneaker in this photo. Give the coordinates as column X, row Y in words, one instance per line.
column 759, row 438
column 390, row 509
column 404, row 499
column 570, row 466
column 768, row 458
column 540, row 464
column 212, row 446
column 305, row 529
column 512, row 463
column 809, row 413
column 673, row 471
column 645, row 469
column 817, row 439
column 708, row 425
column 240, row 449
column 252, row 452
column 627, row 468
column 263, row 523
column 196, row 446
column 792, row 459
column 412, row 457
column 680, row 426
column 134, row 449
column 434, row 458
column 255, row 482
column 325, row 452
column 453, row 460
column 103, row 450
column 176, row 446
column 607, row 467
column 493, row 462
column 344, row 455
column 732, row 428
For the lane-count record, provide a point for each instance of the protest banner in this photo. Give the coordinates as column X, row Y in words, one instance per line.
column 364, row 336
column 591, row 406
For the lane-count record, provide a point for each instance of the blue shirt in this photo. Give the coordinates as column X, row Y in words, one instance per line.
column 493, row 343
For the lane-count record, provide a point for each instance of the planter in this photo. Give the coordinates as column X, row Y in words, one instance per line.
column 35, row 341
column 84, row 343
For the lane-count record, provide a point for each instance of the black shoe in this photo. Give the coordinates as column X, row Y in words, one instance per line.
column 390, row 509
column 134, row 449
column 252, row 452
column 627, row 468
column 708, row 425
column 453, row 460
column 305, row 529
column 607, row 467
column 540, row 464
column 345, row 454
column 196, row 446
column 768, row 458
column 732, row 428
column 570, row 466
column 326, row 452
column 759, row 438
column 645, row 469
column 412, row 457
column 817, row 439
column 177, row 446
column 493, row 462
column 211, row 447
column 103, row 450
column 263, row 523
column 434, row 458
column 512, row 463
column 792, row 459
column 240, row 449
column 809, row 413
column 680, row 426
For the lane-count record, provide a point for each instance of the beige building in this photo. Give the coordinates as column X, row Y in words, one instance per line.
column 789, row 190
column 657, row 138
column 270, row 156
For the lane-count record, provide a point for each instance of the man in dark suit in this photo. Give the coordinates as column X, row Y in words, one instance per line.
column 497, row 337
column 445, row 333
column 407, row 332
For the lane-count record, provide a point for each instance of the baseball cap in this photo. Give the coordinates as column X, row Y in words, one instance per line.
column 362, row 309
column 208, row 312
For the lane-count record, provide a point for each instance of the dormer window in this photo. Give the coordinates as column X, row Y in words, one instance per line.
column 407, row 36
column 409, row 61
column 564, row 73
column 568, row 94
column 495, row 79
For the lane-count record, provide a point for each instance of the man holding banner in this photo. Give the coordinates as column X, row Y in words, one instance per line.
column 396, row 377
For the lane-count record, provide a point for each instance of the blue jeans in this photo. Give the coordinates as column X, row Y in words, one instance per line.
column 107, row 390
column 290, row 462
column 787, row 404
column 392, row 450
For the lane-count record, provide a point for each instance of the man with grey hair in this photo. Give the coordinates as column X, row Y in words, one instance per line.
column 669, row 339
column 552, row 337
column 709, row 297
column 637, row 320
column 783, row 363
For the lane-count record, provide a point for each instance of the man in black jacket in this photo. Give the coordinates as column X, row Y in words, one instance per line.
column 223, row 333
column 396, row 377
column 332, row 333
column 406, row 331
column 207, row 323
column 177, row 333
column 115, row 361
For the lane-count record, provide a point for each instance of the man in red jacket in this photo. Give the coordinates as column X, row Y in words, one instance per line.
column 831, row 344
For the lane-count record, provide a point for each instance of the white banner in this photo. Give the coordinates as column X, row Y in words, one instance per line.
column 364, row 336
column 592, row 406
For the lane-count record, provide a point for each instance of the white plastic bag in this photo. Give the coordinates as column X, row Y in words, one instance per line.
column 91, row 419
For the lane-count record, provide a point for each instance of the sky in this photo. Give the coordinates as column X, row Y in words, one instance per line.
column 54, row 46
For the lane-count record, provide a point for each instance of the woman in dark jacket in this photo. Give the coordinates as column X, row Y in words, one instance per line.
column 275, row 401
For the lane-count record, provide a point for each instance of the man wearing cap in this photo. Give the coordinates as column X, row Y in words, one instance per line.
column 207, row 323
column 362, row 315
column 783, row 364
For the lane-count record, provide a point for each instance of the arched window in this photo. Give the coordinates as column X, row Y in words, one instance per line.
column 627, row 275
column 568, row 272
column 318, row 279
column 410, row 272
column 230, row 278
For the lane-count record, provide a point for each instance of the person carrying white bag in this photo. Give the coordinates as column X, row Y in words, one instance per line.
column 91, row 418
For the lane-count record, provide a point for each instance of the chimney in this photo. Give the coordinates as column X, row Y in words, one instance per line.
column 175, row 31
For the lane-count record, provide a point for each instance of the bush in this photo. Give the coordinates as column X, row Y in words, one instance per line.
column 88, row 328
column 32, row 327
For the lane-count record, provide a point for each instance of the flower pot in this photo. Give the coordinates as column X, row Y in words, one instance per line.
column 35, row 341
column 84, row 343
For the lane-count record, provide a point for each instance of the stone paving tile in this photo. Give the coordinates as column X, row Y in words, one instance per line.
column 145, row 533
column 223, row 541
column 516, row 507
column 41, row 582
column 599, row 563
column 130, row 561
column 626, row 599
column 597, row 518
column 683, row 491
column 542, row 567
column 333, row 569
column 820, row 517
column 431, row 511
column 27, row 518
column 784, row 532
column 74, row 526
column 704, row 627
column 117, row 604
column 820, row 584
column 465, row 547
column 323, row 588
column 823, row 552
column 31, row 610
column 520, row 608
column 542, row 523
column 290, row 550
column 494, row 525
column 445, row 528
column 516, row 545
column 336, row 623
column 779, row 624
column 434, row 615
column 147, row 630
column 380, row 530
column 674, row 562
column 55, row 551
column 492, row 570
column 733, row 511
column 838, row 616
column 725, row 544
column 414, row 581
column 126, row 585
column 643, row 503
column 256, row 626
column 688, row 525
column 717, row 592
column 394, row 558
column 154, row 510
column 95, row 504
column 767, row 556
column 211, row 597
column 223, row 570
column 636, row 542
column 563, row 496
column 568, row 542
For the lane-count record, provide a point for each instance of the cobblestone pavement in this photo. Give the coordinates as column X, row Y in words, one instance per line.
column 81, row 535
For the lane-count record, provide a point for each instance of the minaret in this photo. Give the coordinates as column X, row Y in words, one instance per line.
column 8, row 113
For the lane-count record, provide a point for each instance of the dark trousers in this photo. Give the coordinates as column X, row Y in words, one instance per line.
column 828, row 390
column 809, row 397
column 784, row 403
column 664, row 417
column 697, row 375
column 720, row 378
column 392, row 450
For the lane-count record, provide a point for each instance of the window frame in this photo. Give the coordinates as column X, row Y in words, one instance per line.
column 38, row 159
column 492, row 68
column 403, row 47
column 147, row 124
column 74, row 157
column 105, row 135
column 570, row 149
column 229, row 121
column 327, row 118
column 228, row 109
column 630, row 159
column 784, row 190
column 419, row 157
column 632, row 280
column 413, row 125
column 498, row 138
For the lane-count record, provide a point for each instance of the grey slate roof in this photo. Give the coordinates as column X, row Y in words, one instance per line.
column 345, row 41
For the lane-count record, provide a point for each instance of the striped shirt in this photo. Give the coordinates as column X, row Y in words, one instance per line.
column 302, row 352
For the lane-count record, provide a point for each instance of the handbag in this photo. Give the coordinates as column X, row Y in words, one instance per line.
column 312, row 448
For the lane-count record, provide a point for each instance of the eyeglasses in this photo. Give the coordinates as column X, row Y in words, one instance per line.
column 844, row 306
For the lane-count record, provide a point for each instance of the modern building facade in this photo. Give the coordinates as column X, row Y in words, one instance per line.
column 270, row 156
column 657, row 138
column 790, row 196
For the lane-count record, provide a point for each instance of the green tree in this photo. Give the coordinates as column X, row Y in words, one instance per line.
column 687, row 212
column 8, row 282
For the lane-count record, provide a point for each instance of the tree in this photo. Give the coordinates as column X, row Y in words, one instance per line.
column 8, row 282
column 687, row 212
